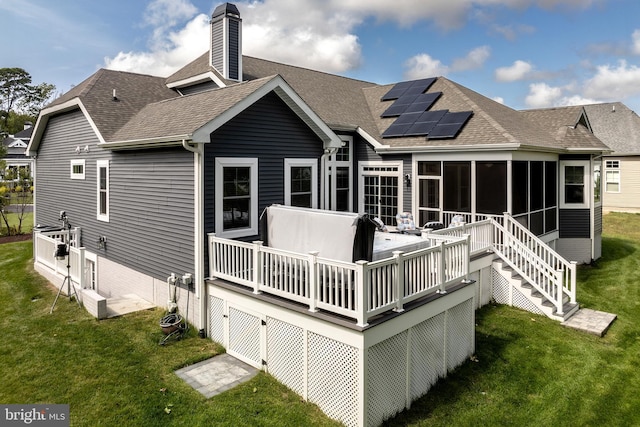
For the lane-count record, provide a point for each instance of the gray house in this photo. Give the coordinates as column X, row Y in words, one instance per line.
column 164, row 177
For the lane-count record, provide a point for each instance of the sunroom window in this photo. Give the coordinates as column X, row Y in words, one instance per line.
column 236, row 197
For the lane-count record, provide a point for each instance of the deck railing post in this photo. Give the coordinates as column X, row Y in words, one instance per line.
column 467, row 257
column 572, row 281
column 559, row 291
column 313, row 280
column 212, row 253
column 362, row 290
column 257, row 266
column 441, row 268
column 81, row 262
column 398, row 284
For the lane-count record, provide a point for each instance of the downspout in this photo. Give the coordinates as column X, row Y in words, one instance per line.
column 198, row 230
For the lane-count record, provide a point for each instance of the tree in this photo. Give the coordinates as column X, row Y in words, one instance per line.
column 19, row 96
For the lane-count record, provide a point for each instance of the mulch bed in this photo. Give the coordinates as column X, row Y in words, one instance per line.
column 15, row 238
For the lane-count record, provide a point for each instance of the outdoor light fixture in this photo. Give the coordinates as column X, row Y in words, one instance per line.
column 102, row 242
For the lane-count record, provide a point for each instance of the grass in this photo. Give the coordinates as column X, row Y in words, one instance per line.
column 27, row 223
column 528, row 370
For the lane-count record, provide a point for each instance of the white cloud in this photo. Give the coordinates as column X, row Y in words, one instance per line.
column 498, row 99
column 475, row 59
column 423, row 65
column 614, row 83
column 542, row 95
column 518, row 71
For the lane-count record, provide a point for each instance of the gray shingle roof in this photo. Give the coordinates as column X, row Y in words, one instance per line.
column 185, row 114
column 616, row 125
column 133, row 92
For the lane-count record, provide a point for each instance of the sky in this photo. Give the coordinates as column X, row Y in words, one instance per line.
column 523, row 53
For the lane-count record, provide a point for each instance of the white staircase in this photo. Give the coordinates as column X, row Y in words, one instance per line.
column 536, row 277
column 523, row 295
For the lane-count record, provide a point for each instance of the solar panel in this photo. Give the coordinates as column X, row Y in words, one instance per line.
column 420, row 128
column 410, row 118
column 395, row 110
column 396, row 130
column 458, row 117
column 445, row 131
column 397, row 91
column 423, row 102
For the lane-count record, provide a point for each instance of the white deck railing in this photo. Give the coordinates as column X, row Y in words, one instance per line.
column 480, row 233
column 358, row 290
column 549, row 273
column 45, row 245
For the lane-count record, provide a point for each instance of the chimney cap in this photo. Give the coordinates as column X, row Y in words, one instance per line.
column 226, row 9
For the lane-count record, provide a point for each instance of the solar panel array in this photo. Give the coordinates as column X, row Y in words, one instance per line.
column 413, row 118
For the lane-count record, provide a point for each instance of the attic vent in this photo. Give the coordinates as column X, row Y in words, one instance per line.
column 226, row 41
column 411, row 107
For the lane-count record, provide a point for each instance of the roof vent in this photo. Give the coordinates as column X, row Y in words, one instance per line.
column 226, row 41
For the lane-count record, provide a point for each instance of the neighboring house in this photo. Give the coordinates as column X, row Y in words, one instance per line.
column 16, row 145
column 619, row 128
column 147, row 169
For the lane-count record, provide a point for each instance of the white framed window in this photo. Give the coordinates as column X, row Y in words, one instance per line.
column 77, row 169
column 612, row 176
column 575, row 178
column 301, row 183
column 102, row 189
column 380, row 190
column 236, row 211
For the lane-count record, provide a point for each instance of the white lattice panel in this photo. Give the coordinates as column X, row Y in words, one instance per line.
column 333, row 378
column 521, row 301
column 500, row 288
column 216, row 319
column 387, row 378
column 244, row 335
column 285, row 353
column 427, row 355
column 460, row 333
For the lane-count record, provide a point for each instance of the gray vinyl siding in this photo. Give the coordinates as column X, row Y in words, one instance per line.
column 151, row 214
column 199, row 87
column 365, row 153
column 270, row 132
column 217, row 45
column 234, row 49
column 575, row 223
column 597, row 219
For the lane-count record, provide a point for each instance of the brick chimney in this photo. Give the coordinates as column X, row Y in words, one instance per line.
column 226, row 41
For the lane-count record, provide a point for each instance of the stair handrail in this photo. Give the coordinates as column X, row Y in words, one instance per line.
column 551, row 257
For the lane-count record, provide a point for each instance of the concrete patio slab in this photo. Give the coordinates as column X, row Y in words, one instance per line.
column 126, row 304
column 591, row 321
column 218, row 374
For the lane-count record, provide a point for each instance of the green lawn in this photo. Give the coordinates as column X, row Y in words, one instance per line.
column 528, row 371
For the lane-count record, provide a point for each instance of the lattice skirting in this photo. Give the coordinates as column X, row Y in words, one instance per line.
column 506, row 293
column 333, row 368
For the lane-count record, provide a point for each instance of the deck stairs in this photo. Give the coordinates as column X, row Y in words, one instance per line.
column 535, row 277
column 522, row 289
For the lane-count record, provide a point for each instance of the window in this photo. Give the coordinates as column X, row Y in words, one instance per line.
column 301, row 182
column 77, row 169
column 575, row 184
column 457, row 187
column 103, row 189
column 379, row 187
column 612, row 176
column 428, row 191
column 491, row 187
column 236, row 197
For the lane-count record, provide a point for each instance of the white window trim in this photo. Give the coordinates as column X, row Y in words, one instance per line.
column 372, row 164
column 616, row 172
column 102, row 164
column 220, row 163
column 288, row 164
column 587, row 178
column 78, row 162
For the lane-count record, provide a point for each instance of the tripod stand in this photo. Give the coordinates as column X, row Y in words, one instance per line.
column 63, row 250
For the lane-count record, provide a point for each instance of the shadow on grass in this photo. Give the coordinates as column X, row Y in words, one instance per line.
column 444, row 397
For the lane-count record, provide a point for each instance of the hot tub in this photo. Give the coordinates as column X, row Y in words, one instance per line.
column 384, row 244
